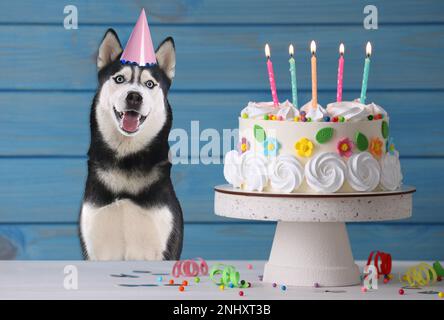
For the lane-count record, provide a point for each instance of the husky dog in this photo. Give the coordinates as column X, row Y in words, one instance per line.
column 130, row 210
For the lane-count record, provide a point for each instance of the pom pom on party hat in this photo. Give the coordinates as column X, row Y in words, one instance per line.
column 139, row 49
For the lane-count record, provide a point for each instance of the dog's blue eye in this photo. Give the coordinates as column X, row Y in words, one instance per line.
column 119, row 79
column 150, row 84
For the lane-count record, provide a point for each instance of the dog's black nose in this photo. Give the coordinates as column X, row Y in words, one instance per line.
column 134, row 99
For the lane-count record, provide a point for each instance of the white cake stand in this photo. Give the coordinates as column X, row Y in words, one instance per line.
column 311, row 242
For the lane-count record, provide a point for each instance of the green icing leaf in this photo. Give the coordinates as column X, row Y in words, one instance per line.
column 259, row 134
column 361, row 141
column 324, row 135
column 385, row 129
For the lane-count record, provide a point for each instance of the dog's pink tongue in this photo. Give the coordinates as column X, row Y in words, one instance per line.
column 130, row 121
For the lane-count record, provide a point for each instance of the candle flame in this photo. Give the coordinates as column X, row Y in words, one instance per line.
column 368, row 49
column 291, row 50
column 267, row 50
column 313, row 47
column 341, row 49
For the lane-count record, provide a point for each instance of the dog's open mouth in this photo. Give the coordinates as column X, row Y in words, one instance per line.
column 129, row 121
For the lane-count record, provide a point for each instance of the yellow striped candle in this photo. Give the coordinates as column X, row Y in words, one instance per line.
column 314, row 77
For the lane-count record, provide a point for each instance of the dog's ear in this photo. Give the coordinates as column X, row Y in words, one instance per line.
column 166, row 57
column 109, row 49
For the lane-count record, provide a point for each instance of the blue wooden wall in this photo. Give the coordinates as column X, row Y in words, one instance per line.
column 48, row 79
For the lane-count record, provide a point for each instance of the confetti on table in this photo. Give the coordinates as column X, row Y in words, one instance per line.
column 228, row 274
column 137, row 285
column 382, row 262
column 429, row 292
column 438, row 268
column 421, row 274
column 335, row 291
column 123, row 275
column 190, row 268
column 411, row 288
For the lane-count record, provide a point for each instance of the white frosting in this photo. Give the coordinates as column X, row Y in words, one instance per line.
column 285, row 173
column 374, row 109
column 232, row 172
column 256, row 110
column 391, row 175
column 363, row 172
column 253, row 169
column 316, row 114
column 325, row 172
column 350, row 110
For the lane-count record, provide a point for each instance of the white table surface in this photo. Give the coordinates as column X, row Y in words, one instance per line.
column 44, row 280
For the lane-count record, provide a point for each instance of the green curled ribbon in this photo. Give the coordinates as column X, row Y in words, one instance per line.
column 228, row 274
column 438, row 268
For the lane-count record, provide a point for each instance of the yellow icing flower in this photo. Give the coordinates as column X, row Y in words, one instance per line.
column 304, row 147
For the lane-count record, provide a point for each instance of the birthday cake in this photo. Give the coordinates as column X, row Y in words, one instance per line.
column 345, row 147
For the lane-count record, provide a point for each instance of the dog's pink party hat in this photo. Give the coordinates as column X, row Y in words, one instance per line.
column 139, row 49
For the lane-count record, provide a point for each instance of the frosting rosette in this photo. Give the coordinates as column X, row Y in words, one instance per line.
column 256, row 110
column 285, row 173
column 232, row 168
column 391, row 175
column 253, row 168
column 363, row 172
column 350, row 110
column 325, row 172
column 316, row 114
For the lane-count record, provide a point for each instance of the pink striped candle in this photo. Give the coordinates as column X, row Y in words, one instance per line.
column 340, row 73
column 271, row 76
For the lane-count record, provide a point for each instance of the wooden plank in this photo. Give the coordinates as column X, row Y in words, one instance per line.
column 404, row 57
column 50, row 190
column 232, row 241
column 43, row 123
column 228, row 11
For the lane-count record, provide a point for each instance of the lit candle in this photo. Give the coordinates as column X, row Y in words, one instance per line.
column 340, row 73
column 314, row 80
column 271, row 76
column 294, row 90
column 368, row 51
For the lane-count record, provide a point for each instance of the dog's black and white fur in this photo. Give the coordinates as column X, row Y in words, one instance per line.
column 130, row 210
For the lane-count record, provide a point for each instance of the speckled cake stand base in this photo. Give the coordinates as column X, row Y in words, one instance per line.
column 311, row 243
